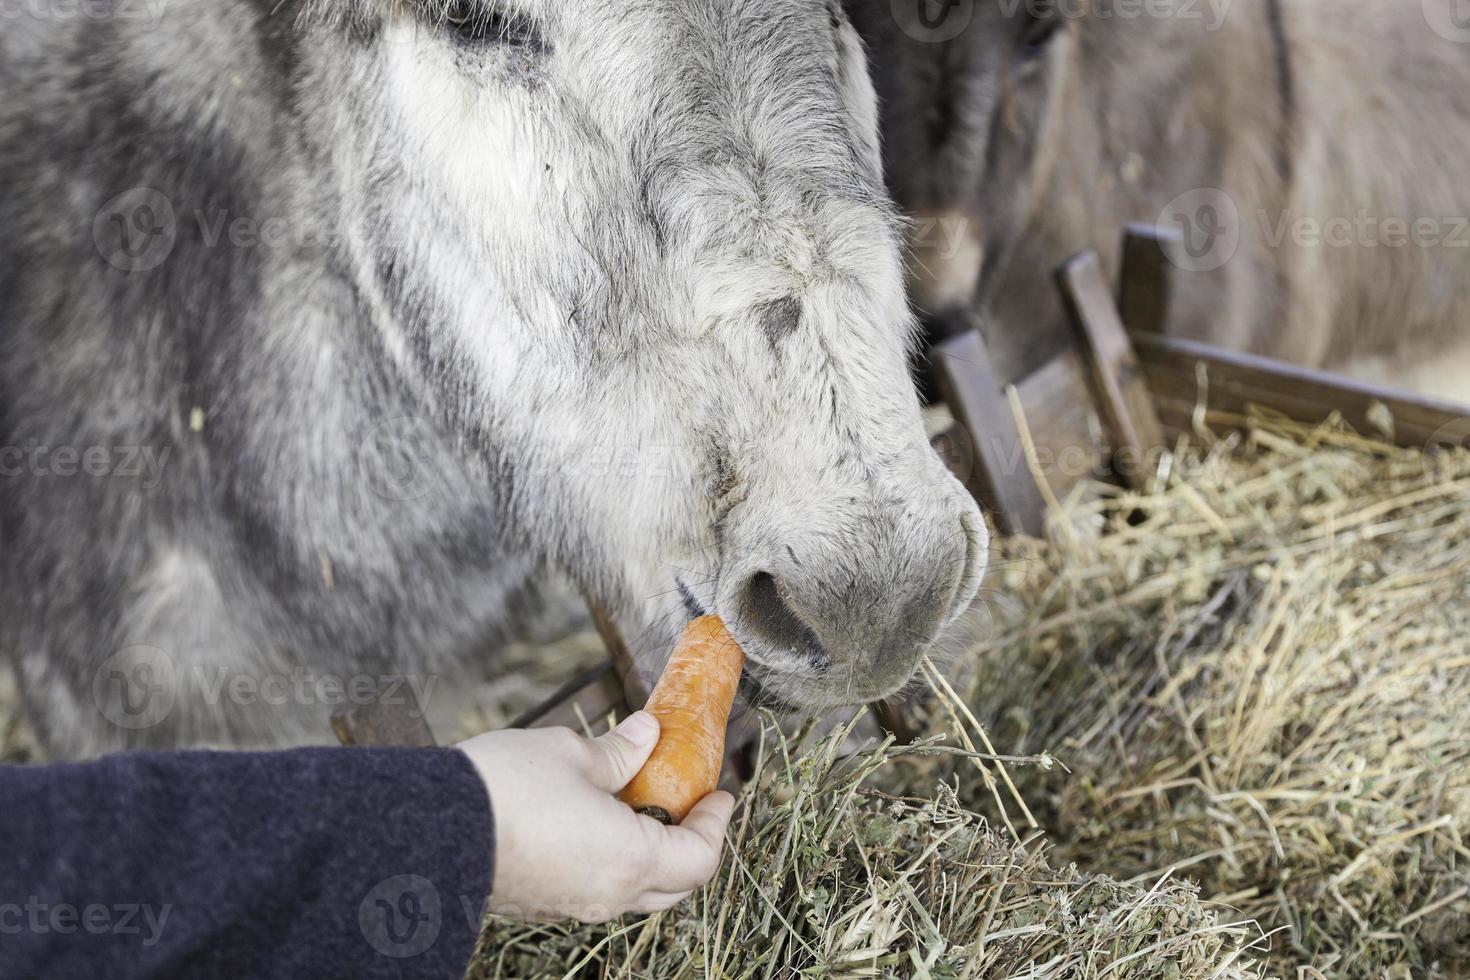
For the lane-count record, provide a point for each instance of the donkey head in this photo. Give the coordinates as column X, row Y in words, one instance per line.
column 646, row 252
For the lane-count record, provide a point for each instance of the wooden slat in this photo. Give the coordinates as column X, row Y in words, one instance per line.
column 559, row 698
column 635, row 691
column 1236, row 381
column 1146, row 282
column 395, row 720
column 998, row 476
column 891, row 718
column 1064, row 422
column 1122, row 391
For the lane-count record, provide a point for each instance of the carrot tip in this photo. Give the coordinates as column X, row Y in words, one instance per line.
column 658, row 813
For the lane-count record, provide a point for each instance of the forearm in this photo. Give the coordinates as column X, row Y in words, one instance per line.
column 314, row 862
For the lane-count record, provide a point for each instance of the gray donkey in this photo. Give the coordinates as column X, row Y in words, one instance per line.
column 327, row 327
column 1312, row 152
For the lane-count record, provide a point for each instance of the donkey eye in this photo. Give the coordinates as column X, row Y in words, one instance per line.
column 1040, row 30
column 473, row 23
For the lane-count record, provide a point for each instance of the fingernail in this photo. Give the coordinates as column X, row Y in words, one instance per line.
column 640, row 728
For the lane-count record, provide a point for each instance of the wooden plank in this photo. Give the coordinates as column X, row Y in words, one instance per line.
column 564, row 694
column 998, row 477
column 635, row 691
column 891, row 718
column 1237, row 381
column 1064, row 422
column 597, row 703
column 1120, row 385
column 393, row 720
column 1146, row 282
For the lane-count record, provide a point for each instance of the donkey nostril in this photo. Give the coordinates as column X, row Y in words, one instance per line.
column 977, row 544
column 769, row 618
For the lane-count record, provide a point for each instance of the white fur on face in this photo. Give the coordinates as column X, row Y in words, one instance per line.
column 661, row 254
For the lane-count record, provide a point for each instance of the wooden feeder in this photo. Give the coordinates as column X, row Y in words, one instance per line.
column 1126, row 380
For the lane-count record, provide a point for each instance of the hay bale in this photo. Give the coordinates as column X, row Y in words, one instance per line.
column 828, row 876
column 1264, row 686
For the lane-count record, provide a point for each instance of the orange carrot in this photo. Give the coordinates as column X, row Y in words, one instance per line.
column 692, row 702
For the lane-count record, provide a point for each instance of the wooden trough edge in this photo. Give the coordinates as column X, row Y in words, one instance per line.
column 1126, row 389
column 1234, row 382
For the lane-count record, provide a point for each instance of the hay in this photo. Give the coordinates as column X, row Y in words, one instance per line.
column 1264, row 686
column 1257, row 682
column 828, row 876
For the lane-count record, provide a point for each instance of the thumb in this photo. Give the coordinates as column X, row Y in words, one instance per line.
column 618, row 755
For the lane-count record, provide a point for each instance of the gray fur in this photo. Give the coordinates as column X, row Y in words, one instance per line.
column 1297, row 110
column 616, row 290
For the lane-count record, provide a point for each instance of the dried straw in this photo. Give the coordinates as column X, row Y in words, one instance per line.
column 826, row 875
column 1256, row 680
column 1264, row 686
column 1257, row 684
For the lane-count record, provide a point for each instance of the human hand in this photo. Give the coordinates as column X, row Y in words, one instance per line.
column 565, row 847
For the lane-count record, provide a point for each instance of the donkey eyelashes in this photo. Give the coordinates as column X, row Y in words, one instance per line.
column 474, row 22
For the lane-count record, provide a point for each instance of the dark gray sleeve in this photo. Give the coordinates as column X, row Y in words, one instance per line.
column 312, row 863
